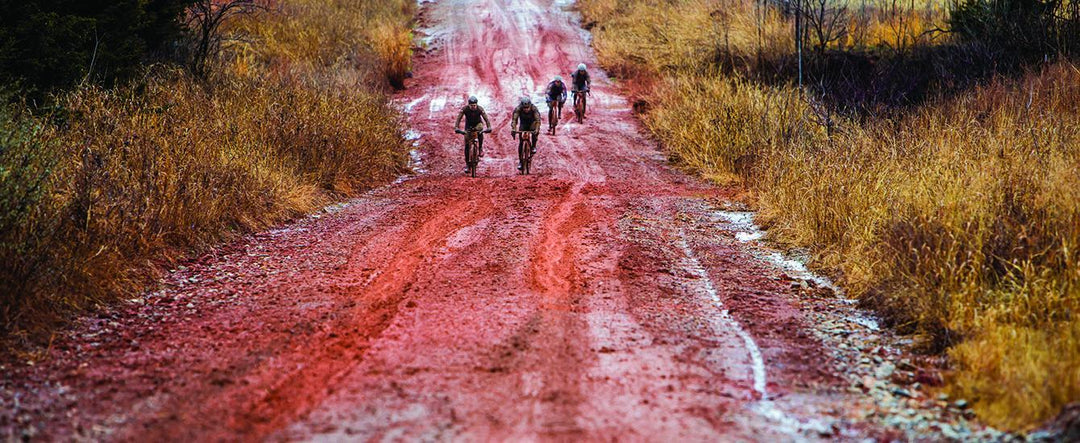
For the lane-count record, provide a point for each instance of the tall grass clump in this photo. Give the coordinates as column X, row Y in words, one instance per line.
column 28, row 159
column 956, row 217
column 111, row 184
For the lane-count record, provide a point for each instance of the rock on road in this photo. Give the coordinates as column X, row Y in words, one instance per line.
column 597, row 299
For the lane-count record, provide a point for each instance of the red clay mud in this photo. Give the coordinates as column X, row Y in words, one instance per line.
column 595, row 299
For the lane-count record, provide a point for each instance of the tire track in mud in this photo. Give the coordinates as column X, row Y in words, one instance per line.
column 383, row 296
column 553, row 271
column 373, row 291
column 554, row 390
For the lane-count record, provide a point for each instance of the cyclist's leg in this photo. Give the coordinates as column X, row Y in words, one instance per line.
column 521, row 145
column 584, row 104
column 466, row 151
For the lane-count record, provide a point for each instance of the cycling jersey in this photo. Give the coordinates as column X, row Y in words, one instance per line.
column 556, row 90
column 525, row 120
column 581, row 80
column 473, row 117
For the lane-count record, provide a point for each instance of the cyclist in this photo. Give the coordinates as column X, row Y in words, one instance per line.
column 581, row 81
column 526, row 118
column 556, row 92
column 475, row 119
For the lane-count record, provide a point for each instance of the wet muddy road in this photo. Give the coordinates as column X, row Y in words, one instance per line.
column 599, row 298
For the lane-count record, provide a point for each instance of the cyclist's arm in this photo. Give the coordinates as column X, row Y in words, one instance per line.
column 514, row 120
column 483, row 114
column 457, row 124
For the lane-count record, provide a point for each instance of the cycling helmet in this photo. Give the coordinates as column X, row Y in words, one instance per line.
column 526, row 100
column 558, row 78
column 581, row 67
column 472, row 100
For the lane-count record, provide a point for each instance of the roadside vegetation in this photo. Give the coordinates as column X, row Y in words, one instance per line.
column 929, row 161
column 107, row 178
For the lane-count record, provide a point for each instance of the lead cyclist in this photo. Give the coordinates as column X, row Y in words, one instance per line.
column 475, row 119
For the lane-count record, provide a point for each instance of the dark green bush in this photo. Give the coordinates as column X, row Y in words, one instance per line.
column 54, row 44
column 1017, row 30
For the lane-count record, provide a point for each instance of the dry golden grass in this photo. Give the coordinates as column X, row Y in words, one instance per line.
column 645, row 37
column 959, row 220
column 371, row 39
column 295, row 114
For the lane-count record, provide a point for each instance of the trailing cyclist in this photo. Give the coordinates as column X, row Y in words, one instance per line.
column 580, row 80
column 556, row 92
column 526, row 118
column 475, row 119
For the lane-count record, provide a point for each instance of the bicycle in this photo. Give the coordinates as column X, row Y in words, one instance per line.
column 525, row 150
column 472, row 151
column 579, row 104
column 554, row 111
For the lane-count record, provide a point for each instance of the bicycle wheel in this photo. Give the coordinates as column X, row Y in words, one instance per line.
column 474, row 156
column 553, row 119
column 522, row 149
column 579, row 107
column 527, row 161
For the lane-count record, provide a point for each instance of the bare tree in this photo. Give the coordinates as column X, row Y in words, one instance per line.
column 204, row 18
column 827, row 20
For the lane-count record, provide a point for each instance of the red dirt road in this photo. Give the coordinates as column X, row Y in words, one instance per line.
column 597, row 299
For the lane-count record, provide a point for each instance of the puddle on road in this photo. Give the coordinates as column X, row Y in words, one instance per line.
column 415, row 165
column 282, row 231
column 747, row 231
column 765, row 406
column 408, row 107
column 415, row 159
column 437, row 104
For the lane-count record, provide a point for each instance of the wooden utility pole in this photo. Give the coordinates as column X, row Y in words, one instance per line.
column 798, row 37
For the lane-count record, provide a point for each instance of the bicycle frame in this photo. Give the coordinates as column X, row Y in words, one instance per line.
column 472, row 152
column 554, row 109
column 525, row 149
column 579, row 104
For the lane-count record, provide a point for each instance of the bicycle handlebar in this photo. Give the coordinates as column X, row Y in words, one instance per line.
column 486, row 131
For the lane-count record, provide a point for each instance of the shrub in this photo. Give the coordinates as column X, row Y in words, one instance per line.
column 50, row 45
column 1018, row 29
column 27, row 162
